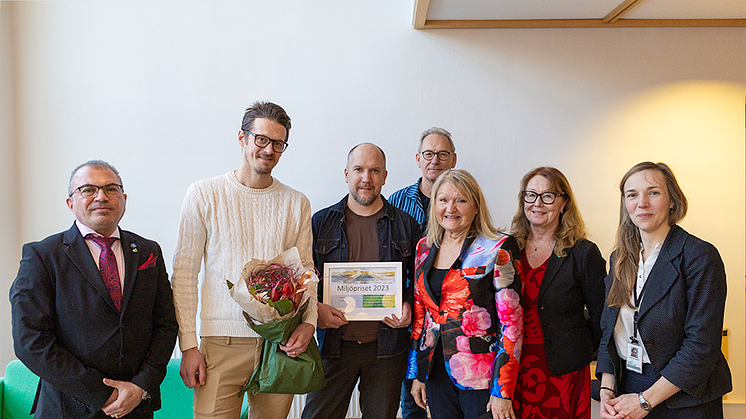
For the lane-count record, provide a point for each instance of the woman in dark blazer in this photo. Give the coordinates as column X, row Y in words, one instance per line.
column 660, row 352
column 563, row 275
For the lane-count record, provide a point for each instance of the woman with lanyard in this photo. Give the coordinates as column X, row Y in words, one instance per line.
column 660, row 352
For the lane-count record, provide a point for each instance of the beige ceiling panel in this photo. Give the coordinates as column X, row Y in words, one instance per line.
column 448, row 14
column 689, row 9
column 520, row 9
column 583, row 9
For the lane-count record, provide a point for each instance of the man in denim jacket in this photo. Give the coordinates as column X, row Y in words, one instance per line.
column 363, row 227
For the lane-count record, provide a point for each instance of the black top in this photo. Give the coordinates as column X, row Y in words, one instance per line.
column 436, row 282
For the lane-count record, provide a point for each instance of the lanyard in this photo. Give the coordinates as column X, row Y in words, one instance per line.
column 638, row 299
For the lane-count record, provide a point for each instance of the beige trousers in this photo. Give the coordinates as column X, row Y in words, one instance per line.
column 230, row 362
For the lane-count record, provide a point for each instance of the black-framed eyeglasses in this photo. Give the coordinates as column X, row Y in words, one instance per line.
column 89, row 191
column 262, row 141
column 442, row 155
column 547, row 198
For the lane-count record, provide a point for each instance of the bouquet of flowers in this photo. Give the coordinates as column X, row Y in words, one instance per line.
column 274, row 296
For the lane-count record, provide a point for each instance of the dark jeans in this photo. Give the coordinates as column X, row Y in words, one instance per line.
column 445, row 400
column 636, row 383
column 380, row 384
column 409, row 409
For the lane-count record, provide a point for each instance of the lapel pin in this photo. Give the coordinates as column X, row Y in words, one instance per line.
column 134, row 247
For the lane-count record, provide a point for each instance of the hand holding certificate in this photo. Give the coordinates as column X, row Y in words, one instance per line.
column 365, row 290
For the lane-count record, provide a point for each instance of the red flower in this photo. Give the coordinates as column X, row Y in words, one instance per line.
column 277, row 283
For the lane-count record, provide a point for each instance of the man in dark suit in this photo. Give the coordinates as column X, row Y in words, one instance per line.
column 92, row 309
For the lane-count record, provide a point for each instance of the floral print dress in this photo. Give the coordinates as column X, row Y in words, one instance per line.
column 478, row 320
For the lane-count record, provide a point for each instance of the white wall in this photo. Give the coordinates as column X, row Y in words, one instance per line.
column 9, row 215
column 159, row 88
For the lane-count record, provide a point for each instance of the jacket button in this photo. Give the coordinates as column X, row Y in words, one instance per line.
column 649, row 342
column 441, row 312
column 548, row 341
column 541, row 308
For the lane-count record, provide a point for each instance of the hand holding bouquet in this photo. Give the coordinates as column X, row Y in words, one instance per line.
column 275, row 295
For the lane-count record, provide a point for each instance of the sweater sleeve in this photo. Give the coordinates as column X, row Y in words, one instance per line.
column 304, row 245
column 190, row 245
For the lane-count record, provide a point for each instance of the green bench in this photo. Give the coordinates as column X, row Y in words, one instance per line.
column 18, row 388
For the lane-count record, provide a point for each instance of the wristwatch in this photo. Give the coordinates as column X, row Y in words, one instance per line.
column 145, row 395
column 644, row 403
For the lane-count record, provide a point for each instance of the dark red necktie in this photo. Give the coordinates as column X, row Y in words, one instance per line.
column 107, row 264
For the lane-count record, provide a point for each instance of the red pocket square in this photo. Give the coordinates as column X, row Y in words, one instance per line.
column 149, row 263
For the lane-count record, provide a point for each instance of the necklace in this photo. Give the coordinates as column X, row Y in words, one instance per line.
column 536, row 245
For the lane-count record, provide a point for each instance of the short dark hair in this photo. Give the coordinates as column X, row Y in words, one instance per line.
column 267, row 110
column 98, row 164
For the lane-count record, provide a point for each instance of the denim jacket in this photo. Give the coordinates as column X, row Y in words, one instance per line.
column 397, row 235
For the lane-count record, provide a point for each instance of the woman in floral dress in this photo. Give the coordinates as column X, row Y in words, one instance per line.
column 467, row 324
column 563, row 276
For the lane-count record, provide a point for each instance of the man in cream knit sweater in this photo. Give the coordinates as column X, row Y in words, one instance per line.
column 225, row 222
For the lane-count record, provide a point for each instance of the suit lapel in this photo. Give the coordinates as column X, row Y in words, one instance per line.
column 425, row 267
column 553, row 266
column 131, row 250
column 79, row 253
column 664, row 272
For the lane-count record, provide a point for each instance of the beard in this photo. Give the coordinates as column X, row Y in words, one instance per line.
column 260, row 171
column 363, row 201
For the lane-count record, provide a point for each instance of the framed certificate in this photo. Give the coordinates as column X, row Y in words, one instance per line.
column 364, row 290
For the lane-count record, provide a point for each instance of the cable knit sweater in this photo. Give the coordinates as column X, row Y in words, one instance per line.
column 227, row 224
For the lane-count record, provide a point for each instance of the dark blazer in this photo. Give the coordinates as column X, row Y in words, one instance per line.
column 680, row 321
column 570, row 284
column 68, row 332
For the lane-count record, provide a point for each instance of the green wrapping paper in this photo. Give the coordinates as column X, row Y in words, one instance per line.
column 276, row 372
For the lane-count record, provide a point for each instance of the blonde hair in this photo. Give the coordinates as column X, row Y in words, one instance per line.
column 571, row 227
column 627, row 244
column 468, row 188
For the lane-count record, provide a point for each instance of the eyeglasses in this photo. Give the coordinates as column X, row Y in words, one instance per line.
column 442, row 155
column 547, row 198
column 89, row 191
column 262, row 141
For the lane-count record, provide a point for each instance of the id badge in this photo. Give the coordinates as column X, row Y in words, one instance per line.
column 634, row 358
